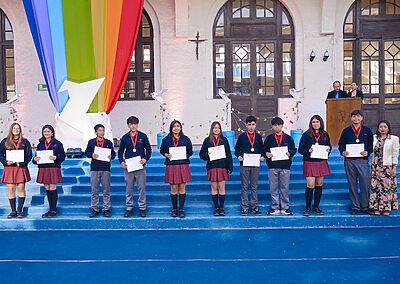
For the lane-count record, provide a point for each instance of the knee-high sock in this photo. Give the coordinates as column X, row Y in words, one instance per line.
column 13, row 204
column 309, row 196
column 49, row 198
column 317, row 196
column 221, row 200
column 54, row 197
column 174, row 201
column 215, row 200
column 21, row 201
column 182, row 198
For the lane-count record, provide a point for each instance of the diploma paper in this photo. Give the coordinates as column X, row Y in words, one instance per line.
column 217, row 152
column 279, row 153
column 44, row 156
column 320, row 152
column 16, row 156
column 354, row 150
column 251, row 160
column 178, row 153
column 103, row 153
column 134, row 164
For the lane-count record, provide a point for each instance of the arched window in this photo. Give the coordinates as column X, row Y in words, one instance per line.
column 254, row 55
column 140, row 81
column 7, row 78
column 372, row 57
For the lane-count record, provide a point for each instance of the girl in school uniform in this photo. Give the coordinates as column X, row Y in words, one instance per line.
column 50, row 173
column 217, row 170
column 314, row 169
column 15, row 174
column 177, row 172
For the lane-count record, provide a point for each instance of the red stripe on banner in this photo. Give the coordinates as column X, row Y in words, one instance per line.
column 129, row 27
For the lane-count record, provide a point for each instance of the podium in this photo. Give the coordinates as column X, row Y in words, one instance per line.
column 338, row 116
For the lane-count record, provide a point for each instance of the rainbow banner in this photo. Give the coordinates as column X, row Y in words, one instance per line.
column 83, row 40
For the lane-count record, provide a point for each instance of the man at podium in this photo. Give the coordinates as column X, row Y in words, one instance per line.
column 336, row 93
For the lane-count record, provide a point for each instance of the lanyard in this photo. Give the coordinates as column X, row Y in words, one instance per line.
column 278, row 139
column 216, row 142
column 47, row 145
column 16, row 145
column 317, row 136
column 176, row 140
column 252, row 139
column 357, row 132
column 134, row 140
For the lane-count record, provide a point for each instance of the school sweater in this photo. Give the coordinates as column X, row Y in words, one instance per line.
column 24, row 145
column 348, row 137
column 288, row 141
column 58, row 151
column 96, row 165
column 243, row 146
column 307, row 140
column 226, row 163
column 167, row 142
column 143, row 147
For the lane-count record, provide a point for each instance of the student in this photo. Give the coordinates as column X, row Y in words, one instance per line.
column 314, row 169
column 177, row 172
column 357, row 169
column 249, row 142
column 15, row 174
column 217, row 170
column 279, row 171
column 135, row 143
column 100, row 171
column 49, row 174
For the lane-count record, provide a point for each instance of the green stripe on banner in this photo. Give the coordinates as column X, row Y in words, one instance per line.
column 78, row 40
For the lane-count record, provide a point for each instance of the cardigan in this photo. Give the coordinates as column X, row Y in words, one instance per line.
column 143, row 147
column 24, row 145
column 58, row 151
column 288, row 141
column 226, row 163
column 167, row 142
column 96, row 165
column 348, row 137
column 390, row 150
column 307, row 140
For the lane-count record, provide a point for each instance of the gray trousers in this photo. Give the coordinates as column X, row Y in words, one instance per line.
column 95, row 178
column 249, row 174
column 279, row 188
column 140, row 178
column 358, row 171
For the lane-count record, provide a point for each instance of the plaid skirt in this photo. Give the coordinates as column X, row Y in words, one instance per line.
column 15, row 175
column 316, row 169
column 177, row 174
column 217, row 174
column 49, row 176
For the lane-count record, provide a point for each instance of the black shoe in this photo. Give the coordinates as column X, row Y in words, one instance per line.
column 221, row 212
column 354, row 211
column 181, row 213
column 244, row 212
column 216, row 212
column 273, row 212
column 307, row 212
column 106, row 213
column 12, row 215
column 174, row 213
column 128, row 213
column 49, row 214
column 287, row 212
column 256, row 212
column 143, row 213
column 94, row 213
column 20, row 215
column 318, row 211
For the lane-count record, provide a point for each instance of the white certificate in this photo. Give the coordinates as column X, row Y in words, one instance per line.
column 44, row 156
column 177, row 153
column 103, row 153
column 279, row 153
column 354, row 150
column 217, row 153
column 134, row 164
column 320, row 152
column 16, row 156
column 251, row 160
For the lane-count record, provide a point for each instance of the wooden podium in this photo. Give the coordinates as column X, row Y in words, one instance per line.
column 338, row 116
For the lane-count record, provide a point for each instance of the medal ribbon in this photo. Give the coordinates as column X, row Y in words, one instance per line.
column 356, row 131
column 176, row 140
column 278, row 139
column 252, row 139
column 134, row 140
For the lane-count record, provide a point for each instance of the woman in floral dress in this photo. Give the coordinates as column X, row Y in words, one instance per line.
column 383, row 195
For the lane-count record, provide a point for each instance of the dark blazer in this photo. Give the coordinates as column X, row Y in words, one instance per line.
column 332, row 94
column 358, row 95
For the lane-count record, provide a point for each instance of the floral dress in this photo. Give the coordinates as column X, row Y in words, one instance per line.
column 383, row 194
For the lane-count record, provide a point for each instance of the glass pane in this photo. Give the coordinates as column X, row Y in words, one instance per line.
column 371, row 101
column 10, row 79
column 133, row 65
column 10, row 52
column 146, row 32
column 236, row 9
column 146, row 88
column 7, row 25
column 219, row 31
column 389, row 101
column 220, row 21
column 146, row 58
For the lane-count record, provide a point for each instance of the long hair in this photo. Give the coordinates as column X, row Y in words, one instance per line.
column 378, row 134
column 321, row 130
column 171, row 126
column 211, row 135
column 9, row 144
column 51, row 128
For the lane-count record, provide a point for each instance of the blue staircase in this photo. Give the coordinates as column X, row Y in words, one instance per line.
column 72, row 248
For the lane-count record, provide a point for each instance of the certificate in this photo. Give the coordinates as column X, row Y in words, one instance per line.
column 177, row 153
column 16, row 156
column 320, row 152
column 134, row 164
column 279, row 153
column 354, row 150
column 251, row 160
column 103, row 153
column 217, row 153
column 44, row 156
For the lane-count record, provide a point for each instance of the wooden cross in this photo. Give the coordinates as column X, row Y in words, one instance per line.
column 197, row 41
